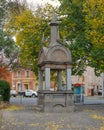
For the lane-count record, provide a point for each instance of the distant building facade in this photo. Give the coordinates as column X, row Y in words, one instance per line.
column 90, row 81
column 27, row 79
column 23, row 79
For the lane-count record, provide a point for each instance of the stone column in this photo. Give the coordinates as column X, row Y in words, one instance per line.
column 40, row 80
column 47, row 78
column 103, row 84
column 59, row 79
column 68, row 78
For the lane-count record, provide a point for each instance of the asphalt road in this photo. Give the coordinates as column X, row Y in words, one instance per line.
column 26, row 101
column 31, row 101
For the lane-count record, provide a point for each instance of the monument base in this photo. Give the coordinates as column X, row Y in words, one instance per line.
column 56, row 101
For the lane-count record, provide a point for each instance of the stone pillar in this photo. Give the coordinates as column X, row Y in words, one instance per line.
column 59, row 79
column 47, row 78
column 68, row 78
column 103, row 84
column 40, row 80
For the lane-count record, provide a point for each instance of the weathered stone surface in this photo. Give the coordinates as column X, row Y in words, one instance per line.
column 55, row 54
column 51, row 101
column 58, row 58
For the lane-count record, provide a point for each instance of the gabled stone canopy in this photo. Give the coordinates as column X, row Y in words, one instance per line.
column 57, row 54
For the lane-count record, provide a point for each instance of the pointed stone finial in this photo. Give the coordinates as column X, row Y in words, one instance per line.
column 54, row 20
column 54, row 30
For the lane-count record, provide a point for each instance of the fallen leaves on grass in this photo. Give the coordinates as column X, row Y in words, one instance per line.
column 49, row 126
column 14, row 107
column 53, row 126
column 99, row 118
column 102, row 128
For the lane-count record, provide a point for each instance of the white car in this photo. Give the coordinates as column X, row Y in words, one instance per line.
column 100, row 92
column 13, row 93
column 30, row 93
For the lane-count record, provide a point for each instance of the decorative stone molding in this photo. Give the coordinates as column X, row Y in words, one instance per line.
column 56, row 54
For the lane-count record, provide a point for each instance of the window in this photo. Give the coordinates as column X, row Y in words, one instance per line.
column 27, row 73
column 18, row 74
column 26, row 86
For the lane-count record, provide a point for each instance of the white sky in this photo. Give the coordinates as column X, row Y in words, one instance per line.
column 42, row 2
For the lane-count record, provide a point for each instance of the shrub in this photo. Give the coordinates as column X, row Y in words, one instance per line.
column 5, row 90
column 0, row 98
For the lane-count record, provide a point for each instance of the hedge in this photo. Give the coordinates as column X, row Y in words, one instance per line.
column 5, row 90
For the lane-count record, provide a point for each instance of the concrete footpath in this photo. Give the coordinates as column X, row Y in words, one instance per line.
column 93, row 100
column 85, row 117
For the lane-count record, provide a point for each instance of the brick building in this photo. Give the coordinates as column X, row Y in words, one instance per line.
column 9, row 79
column 24, row 78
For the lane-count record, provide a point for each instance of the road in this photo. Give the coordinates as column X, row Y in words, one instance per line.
column 27, row 101
column 31, row 101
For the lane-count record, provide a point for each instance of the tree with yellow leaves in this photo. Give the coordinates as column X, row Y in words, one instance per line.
column 83, row 27
column 28, row 28
column 94, row 19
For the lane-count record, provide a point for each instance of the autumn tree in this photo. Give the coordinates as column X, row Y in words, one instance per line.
column 73, row 26
column 8, row 53
column 28, row 28
column 74, row 16
column 3, row 11
column 8, row 49
column 95, row 21
column 95, row 32
column 83, row 23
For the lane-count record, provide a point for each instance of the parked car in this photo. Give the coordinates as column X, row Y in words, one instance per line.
column 30, row 93
column 13, row 93
column 100, row 92
column 21, row 93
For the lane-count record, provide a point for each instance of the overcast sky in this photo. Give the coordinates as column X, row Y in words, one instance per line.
column 42, row 2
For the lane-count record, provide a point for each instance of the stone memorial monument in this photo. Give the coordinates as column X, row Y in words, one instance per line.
column 56, row 57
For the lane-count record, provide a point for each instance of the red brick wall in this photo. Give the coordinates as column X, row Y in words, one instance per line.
column 9, row 79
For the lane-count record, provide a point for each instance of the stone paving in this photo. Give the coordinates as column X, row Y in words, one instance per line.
column 85, row 117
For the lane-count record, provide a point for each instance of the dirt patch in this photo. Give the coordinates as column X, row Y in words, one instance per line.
column 3, row 105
